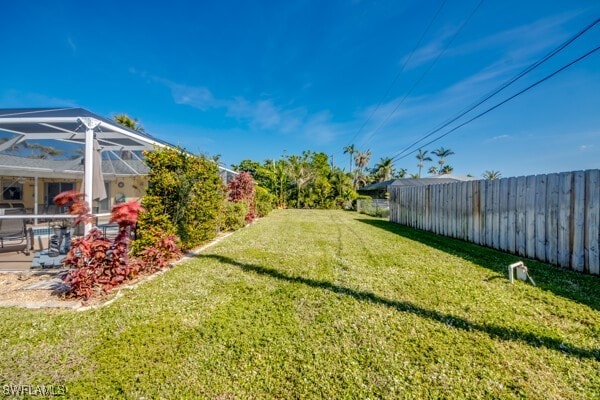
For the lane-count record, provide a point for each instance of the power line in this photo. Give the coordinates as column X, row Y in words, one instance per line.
column 506, row 84
column 440, row 54
column 564, row 67
column 387, row 92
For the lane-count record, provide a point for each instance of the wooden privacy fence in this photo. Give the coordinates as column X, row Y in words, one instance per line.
column 554, row 218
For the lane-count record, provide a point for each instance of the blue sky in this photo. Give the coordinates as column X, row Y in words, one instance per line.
column 260, row 79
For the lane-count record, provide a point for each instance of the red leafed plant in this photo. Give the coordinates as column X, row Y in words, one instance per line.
column 77, row 205
column 241, row 188
column 99, row 263
column 157, row 257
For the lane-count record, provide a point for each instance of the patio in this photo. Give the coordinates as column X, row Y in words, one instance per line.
column 84, row 150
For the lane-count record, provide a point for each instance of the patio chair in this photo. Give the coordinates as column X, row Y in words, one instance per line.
column 15, row 236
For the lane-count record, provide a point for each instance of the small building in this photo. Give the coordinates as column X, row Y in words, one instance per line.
column 379, row 189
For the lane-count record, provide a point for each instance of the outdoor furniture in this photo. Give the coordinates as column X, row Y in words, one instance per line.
column 14, row 234
column 41, row 259
column 109, row 230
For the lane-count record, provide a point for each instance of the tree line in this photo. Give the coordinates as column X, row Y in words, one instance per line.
column 308, row 180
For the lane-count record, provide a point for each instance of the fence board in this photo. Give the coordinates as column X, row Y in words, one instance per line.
column 476, row 212
column 453, row 209
column 489, row 229
column 464, row 211
column 503, row 214
column 512, row 215
column 530, row 216
column 592, row 219
column 469, row 211
column 578, row 221
column 521, row 206
column 540, row 217
column 495, row 213
column 552, row 196
column 564, row 216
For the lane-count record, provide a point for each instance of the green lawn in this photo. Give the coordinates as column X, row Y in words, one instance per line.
column 323, row 304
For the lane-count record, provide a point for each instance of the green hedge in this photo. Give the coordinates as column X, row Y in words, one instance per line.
column 234, row 215
column 185, row 195
column 264, row 201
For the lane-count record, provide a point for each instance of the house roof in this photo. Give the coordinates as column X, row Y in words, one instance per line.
column 433, row 180
column 377, row 185
column 67, row 124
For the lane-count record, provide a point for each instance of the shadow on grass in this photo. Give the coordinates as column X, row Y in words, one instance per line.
column 576, row 286
column 493, row 331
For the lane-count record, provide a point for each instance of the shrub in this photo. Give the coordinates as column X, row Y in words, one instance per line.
column 184, row 197
column 264, row 201
column 154, row 225
column 241, row 188
column 96, row 260
column 158, row 256
column 234, row 215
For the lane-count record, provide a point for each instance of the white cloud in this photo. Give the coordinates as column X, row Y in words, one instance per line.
column 71, row 44
column 426, row 53
column 500, row 137
column 198, row 97
column 520, row 42
column 261, row 114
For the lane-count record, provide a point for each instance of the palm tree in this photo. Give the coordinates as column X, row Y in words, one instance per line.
column 342, row 185
column 128, row 122
column 41, row 152
column 384, row 169
column 131, row 123
column 491, row 175
column 432, row 170
column 350, row 150
column 301, row 175
column 442, row 153
column 360, row 179
column 446, row 169
column 362, row 159
column 422, row 157
column 401, row 173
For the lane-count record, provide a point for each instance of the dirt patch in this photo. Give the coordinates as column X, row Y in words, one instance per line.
column 41, row 289
column 35, row 290
column 21, row 286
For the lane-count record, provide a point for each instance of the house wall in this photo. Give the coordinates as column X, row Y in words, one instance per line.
column 120, row 189
column 128, row 188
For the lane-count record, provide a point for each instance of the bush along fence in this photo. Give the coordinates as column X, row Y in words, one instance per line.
column 554, row 218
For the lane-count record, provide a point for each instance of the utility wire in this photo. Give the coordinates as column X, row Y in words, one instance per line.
column 391, row 85
column 503, row 86
column 440, row 54
column 561, row 69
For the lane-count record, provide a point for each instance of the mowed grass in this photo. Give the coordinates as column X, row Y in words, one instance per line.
column 323, row 304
